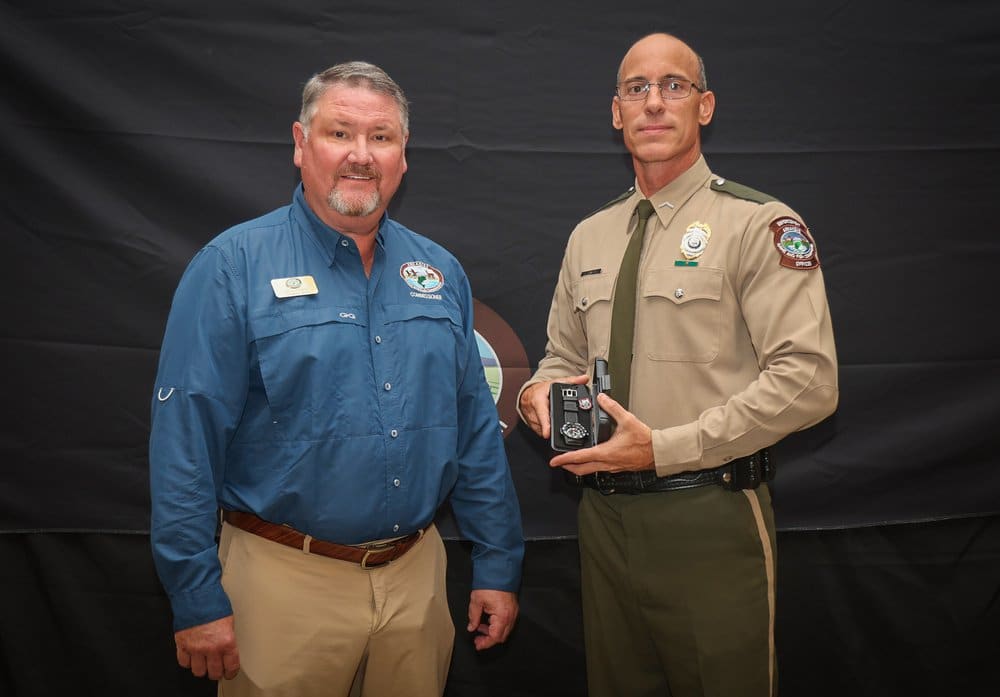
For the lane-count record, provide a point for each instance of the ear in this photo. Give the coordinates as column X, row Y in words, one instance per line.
column 299, row 136
column 706, row 108
column 616, row 113
column 406, row 139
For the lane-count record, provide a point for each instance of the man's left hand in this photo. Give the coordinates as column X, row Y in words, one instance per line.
column 501, row 607
column 630, row 447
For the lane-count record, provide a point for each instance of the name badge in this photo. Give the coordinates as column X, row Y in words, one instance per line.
column 294, row 286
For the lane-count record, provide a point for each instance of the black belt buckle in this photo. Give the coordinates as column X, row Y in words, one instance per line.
column 605, row 482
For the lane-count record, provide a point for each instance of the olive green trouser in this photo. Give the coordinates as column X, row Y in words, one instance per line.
column 678, row 593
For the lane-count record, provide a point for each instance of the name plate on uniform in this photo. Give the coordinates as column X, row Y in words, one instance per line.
column 293, row 286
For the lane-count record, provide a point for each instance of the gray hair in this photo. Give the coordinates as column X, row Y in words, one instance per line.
column 701, row 72
column 354, row 74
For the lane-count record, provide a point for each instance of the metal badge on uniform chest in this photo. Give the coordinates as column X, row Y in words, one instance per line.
column 694, row 243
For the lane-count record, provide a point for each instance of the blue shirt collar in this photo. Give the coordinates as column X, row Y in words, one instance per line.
column 328, row 238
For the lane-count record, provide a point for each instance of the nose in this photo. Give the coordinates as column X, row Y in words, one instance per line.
column 360, row 154
column 654, row 99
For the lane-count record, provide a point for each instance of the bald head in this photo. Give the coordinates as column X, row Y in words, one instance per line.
column 666, row 44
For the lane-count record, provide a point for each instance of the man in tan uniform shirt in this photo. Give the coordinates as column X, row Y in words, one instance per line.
column 733, row 349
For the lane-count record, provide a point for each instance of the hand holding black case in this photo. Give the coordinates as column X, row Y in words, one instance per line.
column 576, row 418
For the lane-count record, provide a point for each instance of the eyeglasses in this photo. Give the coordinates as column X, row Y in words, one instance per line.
column 670, row 88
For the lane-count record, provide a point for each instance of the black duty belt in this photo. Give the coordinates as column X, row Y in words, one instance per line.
column 741, row 473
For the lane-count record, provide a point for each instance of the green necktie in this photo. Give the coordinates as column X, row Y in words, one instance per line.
column 623, row 310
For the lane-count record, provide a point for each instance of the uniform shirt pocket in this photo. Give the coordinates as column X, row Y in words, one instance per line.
column 682, row 314
column 592, row 302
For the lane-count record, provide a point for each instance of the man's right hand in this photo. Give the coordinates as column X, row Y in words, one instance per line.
column 534, row 403
column 210, row 649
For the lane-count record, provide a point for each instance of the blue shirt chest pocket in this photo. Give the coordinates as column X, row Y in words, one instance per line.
column 427, row 346
column 314, row 370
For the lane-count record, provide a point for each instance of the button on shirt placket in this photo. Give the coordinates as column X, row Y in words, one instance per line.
column 387, row 392
column 376, row 352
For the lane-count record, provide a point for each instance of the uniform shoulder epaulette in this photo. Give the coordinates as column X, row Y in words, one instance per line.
column 740, row 191
column 612, row 202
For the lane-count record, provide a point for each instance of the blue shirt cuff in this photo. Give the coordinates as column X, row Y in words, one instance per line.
column 199, row 606
column 499, row 571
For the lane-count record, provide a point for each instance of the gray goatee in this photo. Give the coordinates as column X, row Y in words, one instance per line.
column 354, row 206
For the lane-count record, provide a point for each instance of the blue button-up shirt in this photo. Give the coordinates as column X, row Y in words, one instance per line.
column 350, row 413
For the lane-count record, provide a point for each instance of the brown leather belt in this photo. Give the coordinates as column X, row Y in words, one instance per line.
column 368, row 556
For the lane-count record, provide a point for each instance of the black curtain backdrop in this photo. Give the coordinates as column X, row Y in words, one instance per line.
column 133, row 132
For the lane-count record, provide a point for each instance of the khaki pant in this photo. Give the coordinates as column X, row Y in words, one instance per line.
column 308, row 625
column 678, row 593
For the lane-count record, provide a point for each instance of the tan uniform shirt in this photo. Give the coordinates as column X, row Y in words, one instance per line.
column 731, row 354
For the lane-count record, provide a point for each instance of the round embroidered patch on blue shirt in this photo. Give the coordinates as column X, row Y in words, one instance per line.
column 421, row 277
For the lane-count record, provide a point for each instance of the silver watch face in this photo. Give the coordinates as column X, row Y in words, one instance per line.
column 572, row 429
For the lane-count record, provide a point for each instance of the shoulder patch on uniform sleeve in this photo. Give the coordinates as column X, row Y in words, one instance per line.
column 796, row 249
column 612, row 202
column 740, row 191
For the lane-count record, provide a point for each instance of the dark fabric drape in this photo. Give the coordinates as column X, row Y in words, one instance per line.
column 903, row 610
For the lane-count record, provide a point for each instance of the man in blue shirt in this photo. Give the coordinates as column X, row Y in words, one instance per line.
column 320, row 384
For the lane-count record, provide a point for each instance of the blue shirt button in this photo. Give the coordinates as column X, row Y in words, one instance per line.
column 378, row 340
column 388, row 386
column 343, row 243
column 393, row 433
column 395, row 528
column 395, row 482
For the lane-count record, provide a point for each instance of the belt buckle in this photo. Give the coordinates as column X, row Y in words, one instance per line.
column 384, row 546
column 375, row 548
column 605, row 482
column 364, row 560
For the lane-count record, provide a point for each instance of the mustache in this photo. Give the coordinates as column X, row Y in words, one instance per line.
column 359, row 171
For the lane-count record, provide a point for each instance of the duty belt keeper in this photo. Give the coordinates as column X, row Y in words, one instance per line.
column 748, row 472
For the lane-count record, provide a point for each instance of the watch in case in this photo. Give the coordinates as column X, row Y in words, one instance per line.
column 574, row 430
